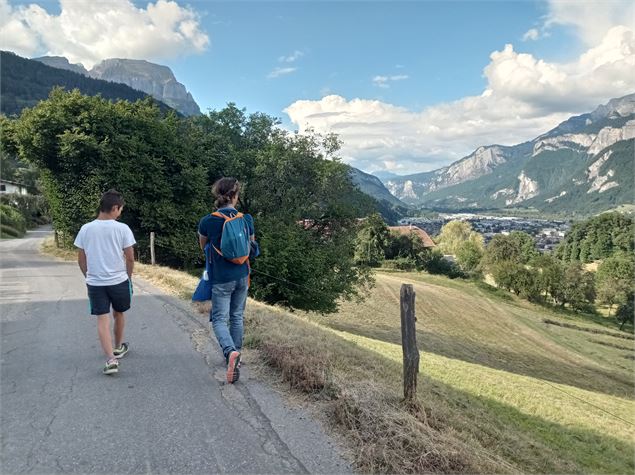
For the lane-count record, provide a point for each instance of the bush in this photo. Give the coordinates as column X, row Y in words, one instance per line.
column 403, row 263
column 435, row 263
column 468, row 256
column 11, row 218
column 33, row 208
column 9, row 232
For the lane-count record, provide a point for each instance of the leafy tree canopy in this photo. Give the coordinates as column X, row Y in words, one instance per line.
column 304, row 204
column 598, row 238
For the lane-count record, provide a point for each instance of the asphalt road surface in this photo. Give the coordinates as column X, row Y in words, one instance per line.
column 167, row 411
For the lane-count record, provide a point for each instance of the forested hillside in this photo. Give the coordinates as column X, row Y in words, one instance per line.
column 24, row 82
column 598, row 238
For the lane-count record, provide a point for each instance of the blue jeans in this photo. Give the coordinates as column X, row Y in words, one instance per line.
column 228, row 306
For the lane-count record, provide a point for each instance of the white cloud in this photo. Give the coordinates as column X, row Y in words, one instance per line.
column 591, row 18
column 524, row 97
column 293, row 57
column 87, row 31
column 384, row 81
column 277, row 72
column 532, row 34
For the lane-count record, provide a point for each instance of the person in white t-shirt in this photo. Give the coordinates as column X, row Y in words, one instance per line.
column 106, row 258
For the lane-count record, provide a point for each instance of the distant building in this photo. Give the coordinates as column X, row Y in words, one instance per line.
column 12, row 187
column 407, row 230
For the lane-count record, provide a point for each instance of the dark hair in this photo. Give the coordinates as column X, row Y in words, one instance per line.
column 225, row 190
column 109, row 199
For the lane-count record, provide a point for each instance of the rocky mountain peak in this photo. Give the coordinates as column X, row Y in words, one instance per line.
column 154, row 79
column 60, row 62
column 620, row 107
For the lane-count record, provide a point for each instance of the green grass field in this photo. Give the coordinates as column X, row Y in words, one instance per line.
column 536, row 395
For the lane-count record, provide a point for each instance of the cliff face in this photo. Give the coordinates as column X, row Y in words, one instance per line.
column 153, row 79
column 61, row 62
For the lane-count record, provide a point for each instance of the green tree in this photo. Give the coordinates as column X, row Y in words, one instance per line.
column 626, row 311
column 550, row 276
column 455, row 233
column 503, row 273
column 469, row 255
column 525, row 245
column 372, row 240
column 409, row 247
column 615, row 280
column 517, row 247
column 578, row 287
column 598, row 238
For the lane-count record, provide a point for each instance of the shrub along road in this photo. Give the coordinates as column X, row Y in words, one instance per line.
column 168, row 409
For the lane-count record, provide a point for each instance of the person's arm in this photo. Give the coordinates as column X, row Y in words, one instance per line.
column 81, row 260
column 202, row 241
column 255, row 248
column 129, row 255
column 202, row 234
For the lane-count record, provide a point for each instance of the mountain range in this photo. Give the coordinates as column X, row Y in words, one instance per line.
column 24, row 82
column 585, row 164
column 153, row 79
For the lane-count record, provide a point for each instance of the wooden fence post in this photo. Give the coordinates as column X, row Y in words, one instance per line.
column 57, row 239
column 409, row 342
column 152, row 259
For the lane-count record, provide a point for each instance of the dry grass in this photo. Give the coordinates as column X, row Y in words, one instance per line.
column 394, row 438
column 599, row 331
column 385, row 434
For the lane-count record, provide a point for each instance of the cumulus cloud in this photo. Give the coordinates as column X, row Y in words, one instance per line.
column 87, row 31
column 524, row 97
column 591, row 18
column 384, row 81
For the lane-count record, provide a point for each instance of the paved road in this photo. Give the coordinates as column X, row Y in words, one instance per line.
column 167, row 411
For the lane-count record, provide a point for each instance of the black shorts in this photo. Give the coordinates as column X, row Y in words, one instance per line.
column 102, row 297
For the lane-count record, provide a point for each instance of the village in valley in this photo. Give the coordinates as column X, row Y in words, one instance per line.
column 547, row 233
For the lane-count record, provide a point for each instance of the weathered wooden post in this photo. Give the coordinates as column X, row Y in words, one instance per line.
column 57, row 239
column 409, row 342
column 152, row 259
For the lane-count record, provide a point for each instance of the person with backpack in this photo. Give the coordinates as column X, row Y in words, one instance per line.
column 231, row 236
column 106, row 258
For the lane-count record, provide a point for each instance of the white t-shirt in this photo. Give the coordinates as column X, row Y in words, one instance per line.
column 103, row 241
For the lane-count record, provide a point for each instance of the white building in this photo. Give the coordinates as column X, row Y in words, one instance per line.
column 12, row 187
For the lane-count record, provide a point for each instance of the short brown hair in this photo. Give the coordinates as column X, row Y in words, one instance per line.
column 225, row 190
column 109, row 199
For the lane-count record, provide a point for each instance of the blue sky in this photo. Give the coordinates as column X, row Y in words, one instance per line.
column 409, row 86
column 441, row 46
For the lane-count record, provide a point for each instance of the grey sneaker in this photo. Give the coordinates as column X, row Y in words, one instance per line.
column 112, row 366
column 121, row 350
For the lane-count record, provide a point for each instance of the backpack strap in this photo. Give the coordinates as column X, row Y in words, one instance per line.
column 218, row 214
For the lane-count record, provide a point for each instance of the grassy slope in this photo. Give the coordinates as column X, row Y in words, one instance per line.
column 500, row 391
column 521, row 379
